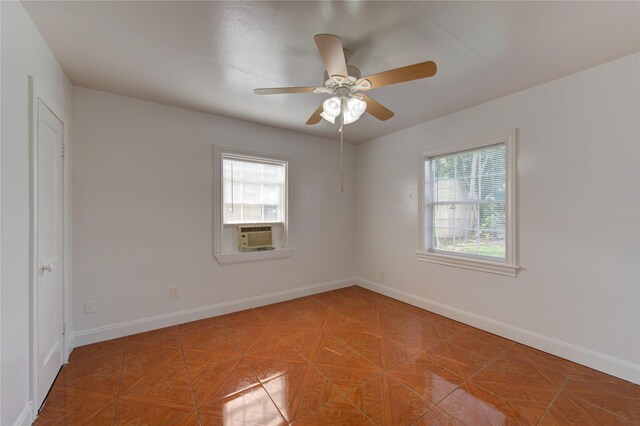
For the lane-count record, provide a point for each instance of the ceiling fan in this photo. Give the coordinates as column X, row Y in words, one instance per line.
column 345, row 82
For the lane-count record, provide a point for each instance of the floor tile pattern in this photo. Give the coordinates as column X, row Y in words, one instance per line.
column 345, row 357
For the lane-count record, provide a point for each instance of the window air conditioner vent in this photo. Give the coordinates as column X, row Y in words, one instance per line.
column 255, row 237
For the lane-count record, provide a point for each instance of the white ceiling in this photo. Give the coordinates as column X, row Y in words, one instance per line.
column 209, row 56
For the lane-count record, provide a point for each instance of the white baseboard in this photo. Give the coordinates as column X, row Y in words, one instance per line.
column 114, row 331
column 25, row 417
column 596, row 360
column 68, row 346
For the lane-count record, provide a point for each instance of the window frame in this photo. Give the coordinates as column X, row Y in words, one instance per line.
column 427, row 253
column 219, row 153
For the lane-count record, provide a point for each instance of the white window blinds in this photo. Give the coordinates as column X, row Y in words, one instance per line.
column 466, row 202
column 253, row 189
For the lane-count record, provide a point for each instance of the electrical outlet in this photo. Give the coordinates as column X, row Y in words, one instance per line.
column 89, row 306
column 173, row 292
column 382, row 273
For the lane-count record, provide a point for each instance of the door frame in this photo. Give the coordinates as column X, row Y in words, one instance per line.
column 38, row 93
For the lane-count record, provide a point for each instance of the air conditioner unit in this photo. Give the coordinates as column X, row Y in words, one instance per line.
column 255, row 237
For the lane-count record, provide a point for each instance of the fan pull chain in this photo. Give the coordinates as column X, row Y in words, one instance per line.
column 341, row 130
column 341, row 161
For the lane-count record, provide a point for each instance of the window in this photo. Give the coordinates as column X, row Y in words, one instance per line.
column 249, row 188
column 468, row 216
column 466, row 199
column 253, row 189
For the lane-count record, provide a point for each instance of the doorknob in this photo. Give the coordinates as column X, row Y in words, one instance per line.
column 47, row 268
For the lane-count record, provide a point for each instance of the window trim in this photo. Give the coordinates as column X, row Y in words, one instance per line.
column 218, row 206
column 426, row 253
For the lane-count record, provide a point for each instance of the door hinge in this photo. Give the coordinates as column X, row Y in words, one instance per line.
column 64, row 150
column 64, row 328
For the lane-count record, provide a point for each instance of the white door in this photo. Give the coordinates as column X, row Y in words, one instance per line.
column 49, row 250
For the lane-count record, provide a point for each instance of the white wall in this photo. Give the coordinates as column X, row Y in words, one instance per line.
column 24, row 53
column 578, row 292
column 142, row 209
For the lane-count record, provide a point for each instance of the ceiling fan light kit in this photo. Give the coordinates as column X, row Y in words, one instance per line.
column 344, row 82
column 351, row 108
column 331, row 109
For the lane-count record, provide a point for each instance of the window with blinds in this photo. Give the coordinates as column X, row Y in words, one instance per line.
column 253, row 189
column 465, row 198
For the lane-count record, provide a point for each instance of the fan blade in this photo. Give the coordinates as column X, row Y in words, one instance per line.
column 400, row 75
column 330, row 47
column 376, row 109
column 315, row 117
column 278, row 90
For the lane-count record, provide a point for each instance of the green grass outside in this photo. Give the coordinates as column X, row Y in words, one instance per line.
column 494, row 251
column 472, row 248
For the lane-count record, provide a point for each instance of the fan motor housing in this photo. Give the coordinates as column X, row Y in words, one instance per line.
column 343, row 92
column 353, row 72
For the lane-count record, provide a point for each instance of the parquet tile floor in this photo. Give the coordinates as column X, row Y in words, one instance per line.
column 345, row 357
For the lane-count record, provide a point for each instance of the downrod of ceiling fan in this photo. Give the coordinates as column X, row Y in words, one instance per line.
column 347, row 55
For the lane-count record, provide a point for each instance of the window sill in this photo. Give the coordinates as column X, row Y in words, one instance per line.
column 253, row 256
column 468, row 263
column 233, row 225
